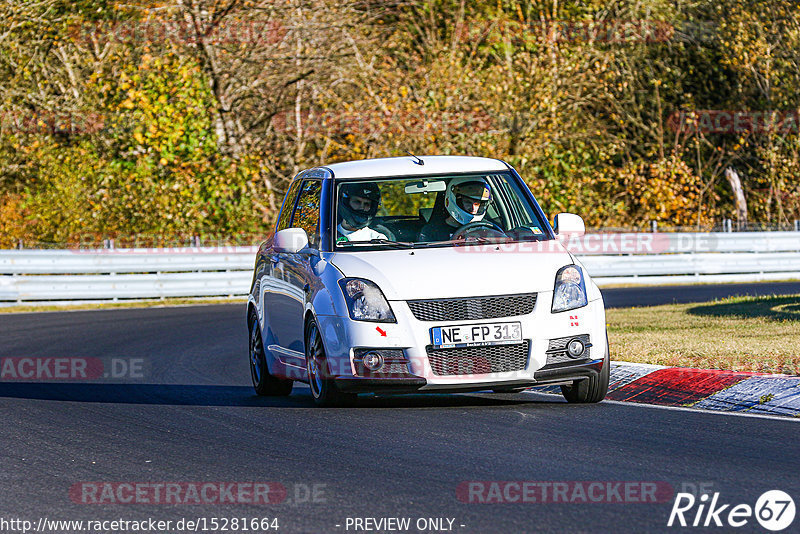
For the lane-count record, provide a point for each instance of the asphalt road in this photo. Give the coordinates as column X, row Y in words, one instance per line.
column 192, row 417
column 653, row 296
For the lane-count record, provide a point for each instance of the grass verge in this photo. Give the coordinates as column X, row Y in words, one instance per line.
column 758, row 334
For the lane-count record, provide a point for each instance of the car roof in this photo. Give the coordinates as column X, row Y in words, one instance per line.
column 409, row 166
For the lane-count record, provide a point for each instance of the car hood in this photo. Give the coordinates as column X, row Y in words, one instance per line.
column 451, row 272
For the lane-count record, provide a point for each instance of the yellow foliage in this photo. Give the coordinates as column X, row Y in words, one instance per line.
column 666, row 191
column 12, row 227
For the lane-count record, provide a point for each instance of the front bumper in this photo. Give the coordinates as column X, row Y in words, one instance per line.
column 342, row 336
column 556, row 373
column 356, row 384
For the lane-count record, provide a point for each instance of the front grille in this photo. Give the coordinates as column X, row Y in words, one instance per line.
column 557, row 349
column 478, row 360
column 473, row 308
column 394, row 369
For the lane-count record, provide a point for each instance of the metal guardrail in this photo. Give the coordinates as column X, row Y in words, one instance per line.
column 611, row 259
column 106, row 261
column 686, row 258
column 111, row 274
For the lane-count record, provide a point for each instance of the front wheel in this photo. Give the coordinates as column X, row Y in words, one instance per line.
column 323, row 388
column 264, row 383
column 591, row 389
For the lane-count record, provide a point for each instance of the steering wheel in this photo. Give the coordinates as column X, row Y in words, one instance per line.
column 382, row 228
column 488, row 226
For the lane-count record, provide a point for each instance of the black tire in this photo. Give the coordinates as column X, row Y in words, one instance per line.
column 592, row 389
column 264, row 383
column 323, row 388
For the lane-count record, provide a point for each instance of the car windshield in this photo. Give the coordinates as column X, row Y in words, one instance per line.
column 434, row 211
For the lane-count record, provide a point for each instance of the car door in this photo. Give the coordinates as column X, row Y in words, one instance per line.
column 298, row 266
column 290, row 278
column 274, row 280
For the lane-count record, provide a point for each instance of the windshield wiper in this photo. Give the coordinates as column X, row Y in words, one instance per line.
column 474, row 240
column 379, row 241
column 432, row 243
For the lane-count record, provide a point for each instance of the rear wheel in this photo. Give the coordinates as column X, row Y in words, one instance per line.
column 591, row 389
column 323, row 388
column 264, row 383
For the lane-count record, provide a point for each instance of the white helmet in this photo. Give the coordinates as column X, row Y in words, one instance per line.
column 462, row 195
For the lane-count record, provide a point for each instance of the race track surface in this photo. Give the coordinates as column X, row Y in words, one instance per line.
column 653, row 296
column 193, row 417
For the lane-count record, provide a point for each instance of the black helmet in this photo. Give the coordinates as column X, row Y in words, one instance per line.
column 356, row 218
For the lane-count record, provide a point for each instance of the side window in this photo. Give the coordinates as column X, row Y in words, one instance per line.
column 288, row 204
column 306, row 214
column 523, row 213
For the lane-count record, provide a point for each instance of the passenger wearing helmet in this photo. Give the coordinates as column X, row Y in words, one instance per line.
column 358, row 204
column 466, row 201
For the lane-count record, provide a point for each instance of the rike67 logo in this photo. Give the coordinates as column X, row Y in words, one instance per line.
column 774, row 510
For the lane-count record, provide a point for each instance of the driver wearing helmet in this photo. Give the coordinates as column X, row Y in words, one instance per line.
column 466, row 200
column 358, row 204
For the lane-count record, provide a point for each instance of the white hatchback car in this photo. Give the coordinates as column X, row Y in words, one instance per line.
column 432, row 274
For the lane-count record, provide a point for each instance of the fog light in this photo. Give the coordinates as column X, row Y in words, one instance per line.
column 575, row 348
column 374, row 361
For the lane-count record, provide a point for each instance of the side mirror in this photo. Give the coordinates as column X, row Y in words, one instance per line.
column 569, row 224
column 290, row 240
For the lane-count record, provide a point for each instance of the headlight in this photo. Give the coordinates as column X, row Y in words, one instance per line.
column 570, row 290
column 365, row 301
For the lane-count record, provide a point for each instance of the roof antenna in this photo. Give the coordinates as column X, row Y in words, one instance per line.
column 417, row 159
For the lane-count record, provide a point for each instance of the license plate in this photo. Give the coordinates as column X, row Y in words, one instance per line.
column 476, row 335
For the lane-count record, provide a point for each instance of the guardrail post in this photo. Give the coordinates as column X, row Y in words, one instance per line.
column 727, row 225
column 19, row 244
column 796, row 225
column 654, row 226
column 196, row 240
